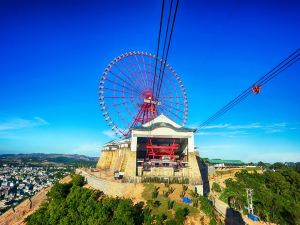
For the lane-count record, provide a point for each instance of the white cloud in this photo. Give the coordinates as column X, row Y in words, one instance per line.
column 109, row 133
column 221, row 133
column 88, row 149
column 242, row 129
column 274, row 157
column 216, row 126
column 220, row 146
column 20, row 123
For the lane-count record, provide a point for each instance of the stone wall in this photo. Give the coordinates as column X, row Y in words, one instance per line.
column 113, row 160
column 112, row 188
column 124, row 160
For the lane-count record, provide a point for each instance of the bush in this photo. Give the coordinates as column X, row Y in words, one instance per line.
column 166, row 194
column 171, row 189
column 276, row 195
column 184, row 188
column 170, row 204
column 182, row 194
column 156, row 203
column 216, row 187
column 160, row 219
column 181, row 214
column 69, row 204
column 78, row 180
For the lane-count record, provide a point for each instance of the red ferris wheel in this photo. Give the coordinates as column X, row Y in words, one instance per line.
column 131, row 92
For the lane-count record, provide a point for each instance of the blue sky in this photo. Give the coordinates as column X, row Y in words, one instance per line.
column 53, row 53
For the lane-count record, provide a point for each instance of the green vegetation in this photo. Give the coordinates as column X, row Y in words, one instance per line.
column 276, row 194
column 72, row 204
column 171, row 180
column 216, row 187
column 40, row 159
column 207, row 207
column 167, row 206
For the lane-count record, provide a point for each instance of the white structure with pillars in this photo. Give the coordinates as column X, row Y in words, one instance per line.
column 163, row 127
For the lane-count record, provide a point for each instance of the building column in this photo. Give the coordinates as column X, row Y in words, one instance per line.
column 133, row 143
column 191, row 146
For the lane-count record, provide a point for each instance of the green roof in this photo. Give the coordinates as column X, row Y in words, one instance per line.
column 229, row 161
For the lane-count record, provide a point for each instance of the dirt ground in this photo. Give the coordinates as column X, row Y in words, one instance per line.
column 135, row 194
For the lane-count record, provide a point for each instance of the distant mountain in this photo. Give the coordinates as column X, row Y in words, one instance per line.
column 47, row 158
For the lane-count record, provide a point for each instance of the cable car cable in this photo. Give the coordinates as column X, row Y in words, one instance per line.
column 158, row 43
column 169, row 43
column 286, row 63
column 164, row 48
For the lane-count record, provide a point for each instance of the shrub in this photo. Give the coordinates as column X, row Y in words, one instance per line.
column 171, row 190
column 166, row 194
column 195, row 202
column 160, row 219
column 150, row 202
column 182, row 194
column 181, row 214
column 184, row 188
column 156, row 203
column 170, row 204
column 78, row 180
column 216, row 187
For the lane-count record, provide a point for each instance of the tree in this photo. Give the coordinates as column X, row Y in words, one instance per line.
column 78, row 180
column 261, row 164
column 216, row 187
column 278, row 166
column 181, row 214
column 276, row 194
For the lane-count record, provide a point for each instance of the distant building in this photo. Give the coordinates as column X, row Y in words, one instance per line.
column 220, row 163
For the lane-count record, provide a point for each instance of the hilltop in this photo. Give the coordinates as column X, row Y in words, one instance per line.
column 43, row 158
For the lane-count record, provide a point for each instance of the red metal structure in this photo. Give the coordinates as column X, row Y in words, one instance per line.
column 159, row 151
column 128, row 92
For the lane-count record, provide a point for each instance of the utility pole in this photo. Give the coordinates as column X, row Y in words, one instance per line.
column 249, row 200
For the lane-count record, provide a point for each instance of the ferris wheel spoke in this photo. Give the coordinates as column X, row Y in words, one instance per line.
column 166, row 109
column 134, row 81
column 121, row 85
column 170, row 97
column 133, row 74
column 166, row 74
column 116, row 90
column 131, row 85
column 119, row 96
column 146, row 72
column 141, row 71
column 117, row 104
column 173, row 108
column 176, row 103
column 123, row 73
column 133, row 65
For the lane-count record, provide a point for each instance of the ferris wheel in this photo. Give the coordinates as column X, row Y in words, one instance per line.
column 130, row 94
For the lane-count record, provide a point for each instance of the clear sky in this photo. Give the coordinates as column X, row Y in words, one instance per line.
column 52, row 54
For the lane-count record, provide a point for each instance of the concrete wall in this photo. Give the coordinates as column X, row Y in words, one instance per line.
column 108, row 187
column 124, row 160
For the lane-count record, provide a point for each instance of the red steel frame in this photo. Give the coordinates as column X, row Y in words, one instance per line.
column 157, row 151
